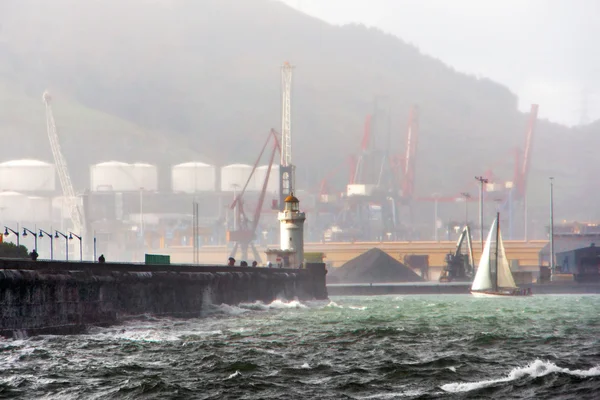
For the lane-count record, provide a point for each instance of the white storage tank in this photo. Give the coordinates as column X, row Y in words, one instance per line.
column 39, row 209
column 146, row 176
column 13, row 207
column 261, row 174
column 123, row 177
column 193, row 177
column 234, row 177
column 27, row 176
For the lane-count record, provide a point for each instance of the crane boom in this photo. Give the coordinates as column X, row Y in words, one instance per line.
column 411, row 149
column 62, row 169
column 527, row 151
column 287, row 178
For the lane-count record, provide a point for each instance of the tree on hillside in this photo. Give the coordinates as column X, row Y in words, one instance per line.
column 11, row 250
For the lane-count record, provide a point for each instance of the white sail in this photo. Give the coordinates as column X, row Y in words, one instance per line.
column 483, row 277
column 505, row 278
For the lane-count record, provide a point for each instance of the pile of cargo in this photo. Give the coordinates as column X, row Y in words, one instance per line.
column 373, row 266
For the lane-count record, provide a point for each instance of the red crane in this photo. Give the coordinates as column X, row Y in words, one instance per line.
column 412, row 136
column 522, row 166
column 245, row 234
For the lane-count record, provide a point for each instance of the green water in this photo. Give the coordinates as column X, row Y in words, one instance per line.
column 381, row 347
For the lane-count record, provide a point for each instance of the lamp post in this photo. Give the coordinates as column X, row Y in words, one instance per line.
column 481, row 180
column 56, row 233
column 142, row 215
column 435, row 217
column 71, row 234
column 16, row 233
column 41, row 235
column 467, row 196
column 25, row 230
column 551, row 228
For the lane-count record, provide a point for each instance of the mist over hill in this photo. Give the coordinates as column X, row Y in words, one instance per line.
column 166, row 81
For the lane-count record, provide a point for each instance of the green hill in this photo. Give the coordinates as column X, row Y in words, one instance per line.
column 165, row 80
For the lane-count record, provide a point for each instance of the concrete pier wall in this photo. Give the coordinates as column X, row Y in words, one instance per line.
column 58, row 297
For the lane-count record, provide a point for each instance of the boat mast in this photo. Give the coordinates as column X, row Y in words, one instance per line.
column 497, row 240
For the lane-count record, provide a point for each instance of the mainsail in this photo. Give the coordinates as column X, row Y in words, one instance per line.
column 505, row 278
column 491, row 263
column 483, row 277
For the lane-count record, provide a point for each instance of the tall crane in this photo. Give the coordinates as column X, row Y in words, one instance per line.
column 408, row 183
column 522, row 170
column 287, row 179
column 66, row 184
column 245, row 233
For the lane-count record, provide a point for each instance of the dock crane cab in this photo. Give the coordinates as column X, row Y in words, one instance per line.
column 459, row 266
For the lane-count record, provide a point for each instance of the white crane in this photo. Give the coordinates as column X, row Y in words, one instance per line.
column 286, row 114
column 287, row 179
column 70, row 198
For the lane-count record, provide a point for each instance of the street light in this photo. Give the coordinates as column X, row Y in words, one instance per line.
column 16, row 233
column 467, row 196
column 435, row 216
column 481, row 180
column 551, row 228
column 25, row 230
column 71, row 234
column 41, row 235
column 56, row 233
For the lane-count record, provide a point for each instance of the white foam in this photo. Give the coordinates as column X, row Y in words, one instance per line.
column 230, row 310
column 333, row 304
column 282, row 304
column 392, row 395
column 305, row 366
column 234, row 375
column 535, row 369
column 357, row 308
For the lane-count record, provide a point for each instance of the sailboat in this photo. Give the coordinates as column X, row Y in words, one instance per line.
column 493, row 277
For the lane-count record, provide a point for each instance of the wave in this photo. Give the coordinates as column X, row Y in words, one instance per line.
column 392, row 395
column 535, row 369
column 274, row 305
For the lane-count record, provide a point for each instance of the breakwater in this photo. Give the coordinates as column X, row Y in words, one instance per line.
column 53, row 297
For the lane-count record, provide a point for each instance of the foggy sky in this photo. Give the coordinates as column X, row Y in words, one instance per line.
column 543, row 50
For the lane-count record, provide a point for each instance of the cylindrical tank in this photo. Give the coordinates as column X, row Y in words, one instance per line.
column 193, row 177
column 146, row 176
column 13, row 207
column 273, row 183
column 27, row 176
column 39, row 209
column 234, row 177
column 123, row 177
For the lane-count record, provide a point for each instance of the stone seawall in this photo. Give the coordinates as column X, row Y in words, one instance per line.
column 57, row 297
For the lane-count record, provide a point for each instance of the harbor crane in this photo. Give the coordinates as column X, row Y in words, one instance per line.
column 245, row 234
column 71, row 201
column 286, row 168
column 460, row 266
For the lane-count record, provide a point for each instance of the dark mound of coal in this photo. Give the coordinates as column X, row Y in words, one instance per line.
column 373, row 266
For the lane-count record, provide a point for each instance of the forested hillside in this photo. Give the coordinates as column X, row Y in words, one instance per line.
column 167, row 81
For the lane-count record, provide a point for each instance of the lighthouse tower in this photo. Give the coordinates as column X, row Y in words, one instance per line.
column 292, row 230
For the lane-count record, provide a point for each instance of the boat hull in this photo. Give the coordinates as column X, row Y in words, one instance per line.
column 497, row 294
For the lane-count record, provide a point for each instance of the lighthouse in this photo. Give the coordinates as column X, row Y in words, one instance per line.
column 291, row 240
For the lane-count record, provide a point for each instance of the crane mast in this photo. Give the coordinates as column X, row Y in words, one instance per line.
column 286, row 168
column 62, row 170
column 527, row 151
column 411, row 149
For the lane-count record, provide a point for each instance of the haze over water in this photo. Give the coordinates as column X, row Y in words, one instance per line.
column 383, row 347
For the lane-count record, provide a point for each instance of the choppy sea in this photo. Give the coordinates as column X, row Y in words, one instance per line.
column 381, row 347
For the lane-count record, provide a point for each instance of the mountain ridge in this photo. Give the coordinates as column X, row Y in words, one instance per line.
column 205, row 74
